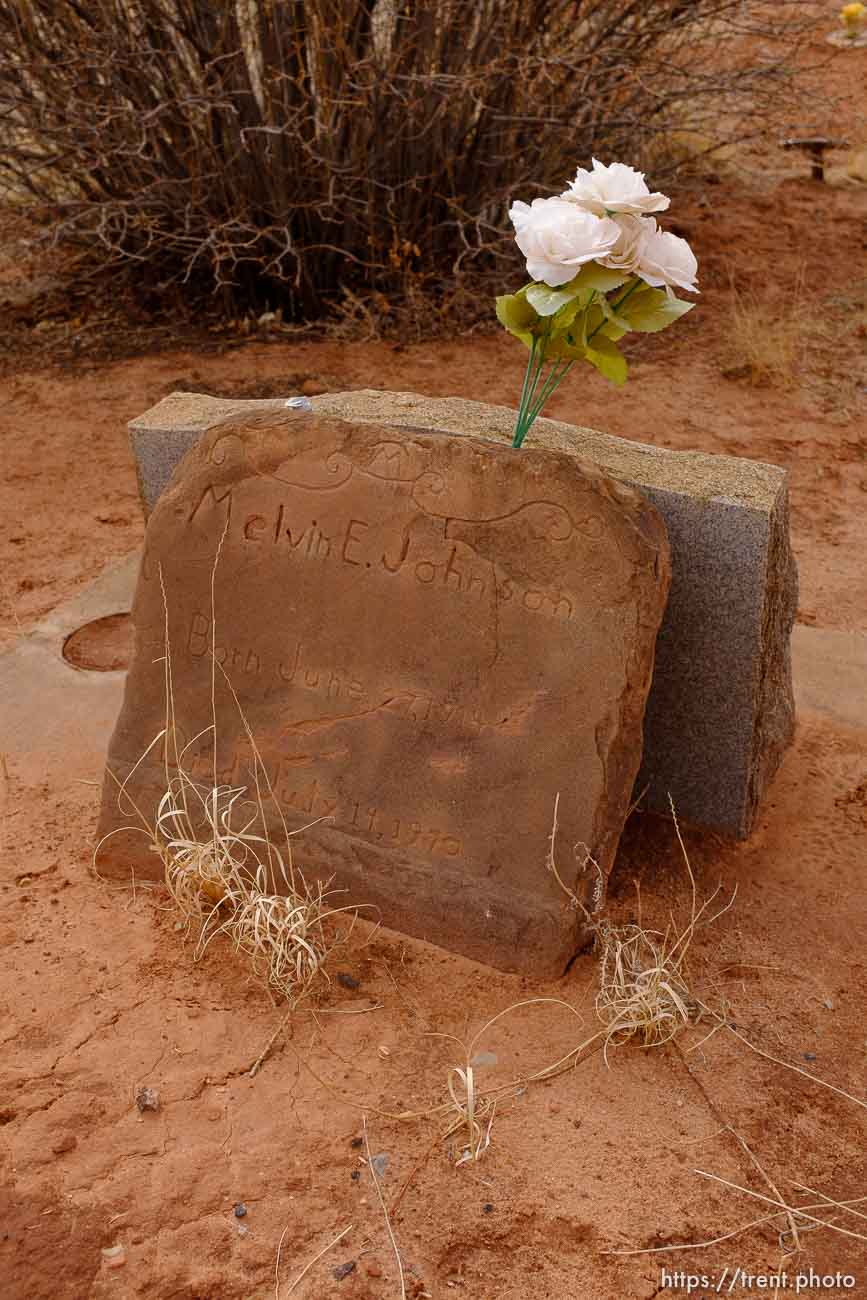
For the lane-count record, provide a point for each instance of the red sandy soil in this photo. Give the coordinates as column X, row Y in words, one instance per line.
column 100, row 995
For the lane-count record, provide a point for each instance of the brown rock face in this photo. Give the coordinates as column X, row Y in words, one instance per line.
column 430, row 638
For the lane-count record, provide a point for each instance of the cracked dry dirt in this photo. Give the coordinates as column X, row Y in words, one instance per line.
column 99, row 995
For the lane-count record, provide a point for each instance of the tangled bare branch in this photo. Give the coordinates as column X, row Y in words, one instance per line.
column 300, row 148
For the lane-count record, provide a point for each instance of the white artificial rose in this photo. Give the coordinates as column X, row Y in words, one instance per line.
column 626, row 254
column 667, row 261
column 615, row 188
column 558, row 238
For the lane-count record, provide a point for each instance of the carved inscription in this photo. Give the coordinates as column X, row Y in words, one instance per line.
column 295, row 533
column 298, row 669
column 310, row 800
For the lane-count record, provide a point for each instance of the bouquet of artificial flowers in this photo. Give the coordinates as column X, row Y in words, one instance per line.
column 601, row 267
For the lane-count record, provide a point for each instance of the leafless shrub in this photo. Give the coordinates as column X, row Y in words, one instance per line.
column 304, row 151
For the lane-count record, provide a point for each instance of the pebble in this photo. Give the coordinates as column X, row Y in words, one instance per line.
column 488, row 1208
column 373, row 1270
column 809, row 1056
column 343, row 1270
column 240, row 1210
column 313, row 387
column 114, row 1256
column 355, row 1175
column 348, row 981
column 357, row 1142
column 379, row 1163
column 147, row 1099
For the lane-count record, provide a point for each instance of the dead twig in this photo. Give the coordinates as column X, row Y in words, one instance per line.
column 307, row 1267
column 381, row 1200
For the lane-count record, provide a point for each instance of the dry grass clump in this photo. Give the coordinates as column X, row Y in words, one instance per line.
column 223, row 881
column 204, row 872
column 793, row 338
column 226, row 876
column 222, row 868
column 283, row 937
column 644, row 991
column 767, row 339
column 643, row 997
column 473, row 1108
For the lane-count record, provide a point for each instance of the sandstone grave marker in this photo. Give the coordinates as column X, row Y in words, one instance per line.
column 430, row 637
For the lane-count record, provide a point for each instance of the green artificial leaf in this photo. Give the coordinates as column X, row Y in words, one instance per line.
column 516, row 314
column 564, row 319
column 567, row 346
column 605, row 355
column 592, row 322
column 518, row 317
column 613, row 318
column 595, row 325
column 548, row 301
column 650, row 310
column 600, row 278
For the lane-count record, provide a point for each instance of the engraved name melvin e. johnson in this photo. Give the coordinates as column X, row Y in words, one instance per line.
column 351, row 542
